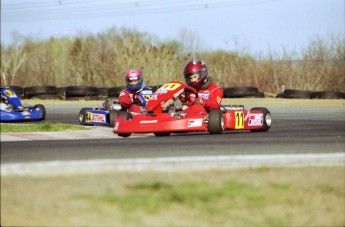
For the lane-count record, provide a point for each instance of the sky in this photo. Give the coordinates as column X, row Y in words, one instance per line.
column 252, row 26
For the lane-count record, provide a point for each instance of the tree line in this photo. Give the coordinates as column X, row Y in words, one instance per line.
column 102, row 59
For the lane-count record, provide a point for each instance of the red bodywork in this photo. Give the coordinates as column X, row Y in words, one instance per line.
column 156, row 120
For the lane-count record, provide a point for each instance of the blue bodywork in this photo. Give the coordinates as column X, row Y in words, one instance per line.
column 15, row 110
column 96, row 117
column 101, row 116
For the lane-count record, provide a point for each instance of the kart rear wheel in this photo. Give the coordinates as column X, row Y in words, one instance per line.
column 43, row 110
column 216, row 122
column 82, row 115
column 127, row 116
column 267, row 119
column 161, row 134
column 112, row 115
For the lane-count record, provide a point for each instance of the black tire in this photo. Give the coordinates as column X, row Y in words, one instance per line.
column 296, row 94
column 82, row 117
column 81, row 91
column 162, row 134
column 127, row 116
column 112, row 115
column 238, row 92
column 327, row 95
column 103, row 91
column 267, row 119
column 61, row 91
column 115, row 91
column 39, row 90
column 280, row 95
column 216, row 122
column 43, row 110
column 259, row 94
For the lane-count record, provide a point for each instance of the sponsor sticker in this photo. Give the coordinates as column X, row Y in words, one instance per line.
column 148, row 121
column 98, row 118
column 195, row 122
column 255, row 120
column 10, row 93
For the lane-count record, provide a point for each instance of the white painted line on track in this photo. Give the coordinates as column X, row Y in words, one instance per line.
column 173, row 163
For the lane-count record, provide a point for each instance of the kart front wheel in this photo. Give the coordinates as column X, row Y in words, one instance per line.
column 126, row 115
column 112, row 115
column 43, row 111
column 267, row 119
column 82, row 115
column 216, row 122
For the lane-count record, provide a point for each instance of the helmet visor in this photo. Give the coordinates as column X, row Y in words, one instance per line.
column 193, row 77
column 133, row 82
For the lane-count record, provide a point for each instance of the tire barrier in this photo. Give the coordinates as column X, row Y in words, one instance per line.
column 114, row 92
column 327, row 95
column 81, row 92
column 39, row 91
column 295, row 94
column 100, row 93
column 301, row 94
column 239, row 92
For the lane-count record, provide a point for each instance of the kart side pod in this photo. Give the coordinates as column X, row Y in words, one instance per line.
column 256, row 119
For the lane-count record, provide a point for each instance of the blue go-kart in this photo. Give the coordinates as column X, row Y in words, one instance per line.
column 110, row 110
column 12, row 109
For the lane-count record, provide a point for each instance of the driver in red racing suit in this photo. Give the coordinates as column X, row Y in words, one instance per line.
column 209, row 94
column 136, row 93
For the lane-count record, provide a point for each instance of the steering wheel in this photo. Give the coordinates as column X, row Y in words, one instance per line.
column 190, row 88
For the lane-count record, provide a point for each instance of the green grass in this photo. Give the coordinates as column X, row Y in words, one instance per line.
column 301, row 196
column 45, row 127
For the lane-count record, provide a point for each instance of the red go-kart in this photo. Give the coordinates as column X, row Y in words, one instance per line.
column 164, row 115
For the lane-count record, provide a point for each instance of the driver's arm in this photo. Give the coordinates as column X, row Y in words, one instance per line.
column 215, row 99
column 125, row 99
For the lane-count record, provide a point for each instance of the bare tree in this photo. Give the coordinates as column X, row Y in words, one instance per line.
column 12, row 59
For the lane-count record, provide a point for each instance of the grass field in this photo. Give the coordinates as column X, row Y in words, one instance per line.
column 45, row 127
column 313, row 196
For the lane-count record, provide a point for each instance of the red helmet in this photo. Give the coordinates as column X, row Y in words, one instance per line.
column 198, row 68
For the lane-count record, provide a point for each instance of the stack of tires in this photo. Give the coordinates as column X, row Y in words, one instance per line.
column 94, row 93
column 42, row 92
column 81, row 92
column 240, row 92
column 301, row 94
column 114, row 92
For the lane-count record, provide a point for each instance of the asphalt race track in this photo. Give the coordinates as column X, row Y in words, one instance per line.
column 302, row 130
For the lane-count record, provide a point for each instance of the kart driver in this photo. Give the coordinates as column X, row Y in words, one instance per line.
column 136, row 93
column 3, row 104
column 209, row 94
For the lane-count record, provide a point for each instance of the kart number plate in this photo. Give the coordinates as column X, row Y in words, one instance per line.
column 239, row 119
column 10, row 93
column 171, row 86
